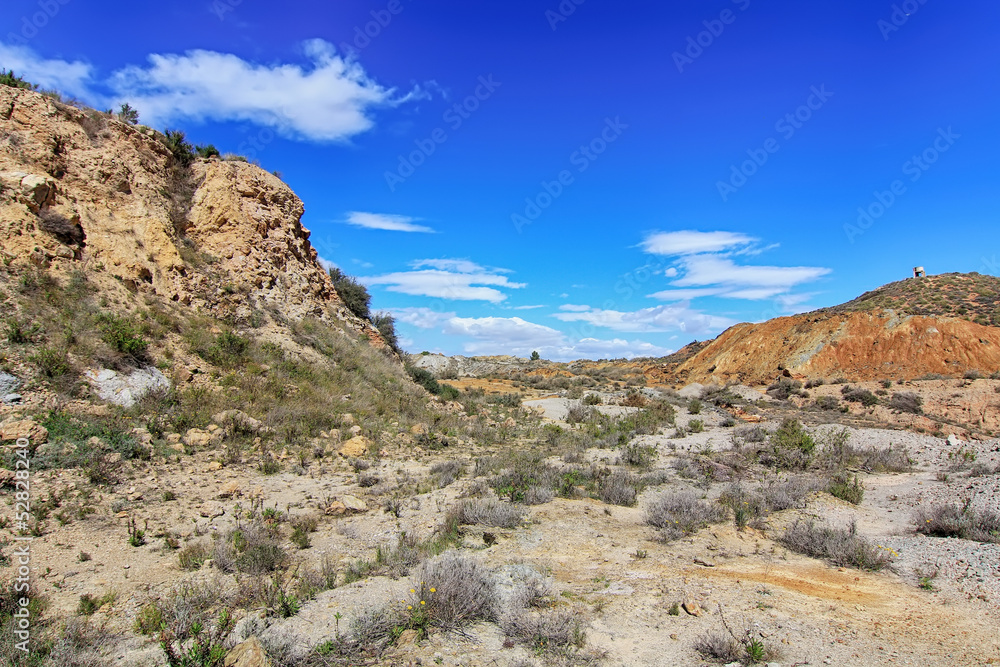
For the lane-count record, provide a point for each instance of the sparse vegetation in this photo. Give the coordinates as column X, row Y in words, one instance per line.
column 682, row 513
column 963, row 522
column 840, row 546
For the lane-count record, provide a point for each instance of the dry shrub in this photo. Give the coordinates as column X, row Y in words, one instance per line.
column 962, row 522
column 840, row 546
column 251, row 548
column 192, row 556
column 489, row 512
column 907, row 401
column 447, row 472
column 681, row 513
column 743, row 436
column 718, row 647
column 545, row 630
column 79, row 644
column 838, row 454
column 619, row 488
column 538, row 495
column 457, row 590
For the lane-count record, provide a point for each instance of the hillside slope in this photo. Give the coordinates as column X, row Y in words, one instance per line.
column 862, row 340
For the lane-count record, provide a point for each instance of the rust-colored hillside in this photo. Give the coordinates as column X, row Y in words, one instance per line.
column 904, row 330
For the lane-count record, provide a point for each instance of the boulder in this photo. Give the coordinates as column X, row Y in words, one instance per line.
column 125, row 390
column 250, row 653
column 8, row 383
column 238, row 420
column 354, row 504
column 693, row 390
column 355, row 447
column 25, row 428
column 692, row 607
column 336, row 508
column 229, row 489
column 197, row 438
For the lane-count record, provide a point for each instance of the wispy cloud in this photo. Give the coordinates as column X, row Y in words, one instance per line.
column 691, row 242
column 705, row 266
column 392, row 223
column 456, row 279
column 514, row 335
column 678, row 317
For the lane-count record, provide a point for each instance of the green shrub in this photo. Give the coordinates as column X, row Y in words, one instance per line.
column 51, row 362
column 123, row 335
column 696, row 426
column 128, row 115
column 694, row 407
column 858, row 395
column 354, row 295
column 206, row 151
column 8, row 78
column 89, row 604
column 227, row 350
column 176, row 143
column 21, row 332
column 386, row 325
column 848, row 490
column 791, row 446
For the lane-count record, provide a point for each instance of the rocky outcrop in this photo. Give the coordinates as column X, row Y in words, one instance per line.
column 83, row 190
column 859, row 346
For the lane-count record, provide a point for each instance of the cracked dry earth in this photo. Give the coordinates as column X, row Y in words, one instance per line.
column 603, row 561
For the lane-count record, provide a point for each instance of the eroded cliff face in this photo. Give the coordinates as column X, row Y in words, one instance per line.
column 80, row 190
column 858, row 346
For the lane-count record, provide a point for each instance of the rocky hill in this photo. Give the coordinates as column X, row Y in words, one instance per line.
column 969, row 296
column 904, row 330
column 81, row 190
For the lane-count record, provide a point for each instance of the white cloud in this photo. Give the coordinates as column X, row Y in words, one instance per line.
column 326, row 264
column 516, row 336
column 704, row 270
column 329, row 100
column 71, row 78
column 678, row 317
column 572, row 308
column 392, row 223
column 512, row 332
column 704, row 265
column 459, row 265
column 690, row 242
column 422, row 318
column 686, row 294
column 450, row 279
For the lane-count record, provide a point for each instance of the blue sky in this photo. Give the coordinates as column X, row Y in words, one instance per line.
column 585, row 178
